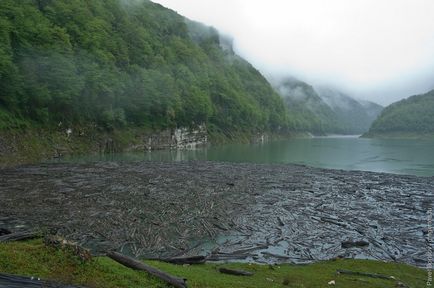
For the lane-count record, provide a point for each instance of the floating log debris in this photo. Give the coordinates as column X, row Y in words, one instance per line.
column 165, row 209
column 137, row 265
column 18, row 236
column 4, row 231
column 183, row 260
column 351, row 244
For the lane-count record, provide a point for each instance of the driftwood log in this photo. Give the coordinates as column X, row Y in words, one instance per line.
column 183, row 260
column 371, row 275
column 235, row 272
column 17, row 236
column 350, row 244
column 225, row 257
column 15, row 281
column 4, row 231
column 137, row 265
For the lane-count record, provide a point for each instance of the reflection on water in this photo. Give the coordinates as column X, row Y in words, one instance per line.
column 400, row 156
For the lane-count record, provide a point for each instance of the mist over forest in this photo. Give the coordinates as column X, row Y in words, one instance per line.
column 216, row 145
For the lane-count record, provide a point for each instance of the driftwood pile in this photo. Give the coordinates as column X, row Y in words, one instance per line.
column 261, row 213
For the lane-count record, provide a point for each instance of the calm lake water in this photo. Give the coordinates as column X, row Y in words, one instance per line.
column 399, row 156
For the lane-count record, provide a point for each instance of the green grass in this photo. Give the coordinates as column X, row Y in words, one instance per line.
column 33, row 258
column 33, row 145
column 11, row 121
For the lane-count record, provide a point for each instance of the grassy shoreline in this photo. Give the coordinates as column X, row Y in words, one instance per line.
column 33, row 258
column 33, row 145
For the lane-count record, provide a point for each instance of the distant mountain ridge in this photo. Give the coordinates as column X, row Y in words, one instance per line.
column 323, row 110
column 414, row 115
column 353, row 116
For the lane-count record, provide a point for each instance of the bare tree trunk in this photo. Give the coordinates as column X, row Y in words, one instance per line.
column 137, row 265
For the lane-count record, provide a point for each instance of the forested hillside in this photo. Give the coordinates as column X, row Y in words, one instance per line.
column 412, row 115
column 308, row 111
column 116, row 63
column 352, row 116
column 323, row 110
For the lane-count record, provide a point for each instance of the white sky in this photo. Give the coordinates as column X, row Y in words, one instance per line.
column 379, row 50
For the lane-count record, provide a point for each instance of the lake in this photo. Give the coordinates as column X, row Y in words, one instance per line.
column 399, row 156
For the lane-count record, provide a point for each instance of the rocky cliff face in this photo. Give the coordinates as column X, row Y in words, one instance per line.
column 180, row 138
column 35, row 145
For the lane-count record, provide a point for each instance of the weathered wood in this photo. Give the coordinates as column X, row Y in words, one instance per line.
column 225, row 257
column 18, row 236
column 15, row 281
column 275, row 255
column 137, row 265
column 371, row 275
column 350, row 244
column 185, row 260
column 4, row 231
column 235, row 272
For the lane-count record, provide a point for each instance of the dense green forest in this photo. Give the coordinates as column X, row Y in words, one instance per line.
column 325, row 111
column 303, row 103
column 412, row 115
column 116, row 63
column 351, row 116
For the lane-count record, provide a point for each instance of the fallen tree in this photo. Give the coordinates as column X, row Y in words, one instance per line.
column 235, row 272
column 371, row 275
column 137, row 265
column 15, row 281
column 183, row 260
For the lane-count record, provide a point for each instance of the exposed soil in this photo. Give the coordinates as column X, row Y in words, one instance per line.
column 265, row 213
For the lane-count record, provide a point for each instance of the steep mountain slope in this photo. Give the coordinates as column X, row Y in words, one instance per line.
column 306, row 109
column 353, row 117
column 412, row 115
column 323, row 110
column 120, row 63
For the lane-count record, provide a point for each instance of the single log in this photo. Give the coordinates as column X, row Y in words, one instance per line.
column 225, row 257
column 250, row 249
column 275, row 255
column 137, row 265
column 350, row 244
column 235, row 272
column 4, row 231
column 371, row 275
column 15, row 281
column 17, row 236
column 185, row 260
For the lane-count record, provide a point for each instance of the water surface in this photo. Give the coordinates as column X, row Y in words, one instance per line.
column 400, row 156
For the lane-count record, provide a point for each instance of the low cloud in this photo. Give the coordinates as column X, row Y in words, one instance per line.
column 378, row 50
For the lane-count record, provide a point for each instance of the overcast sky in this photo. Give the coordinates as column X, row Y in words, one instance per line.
column 379, row 50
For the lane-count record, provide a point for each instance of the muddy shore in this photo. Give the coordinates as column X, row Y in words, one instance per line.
column 252, row 212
